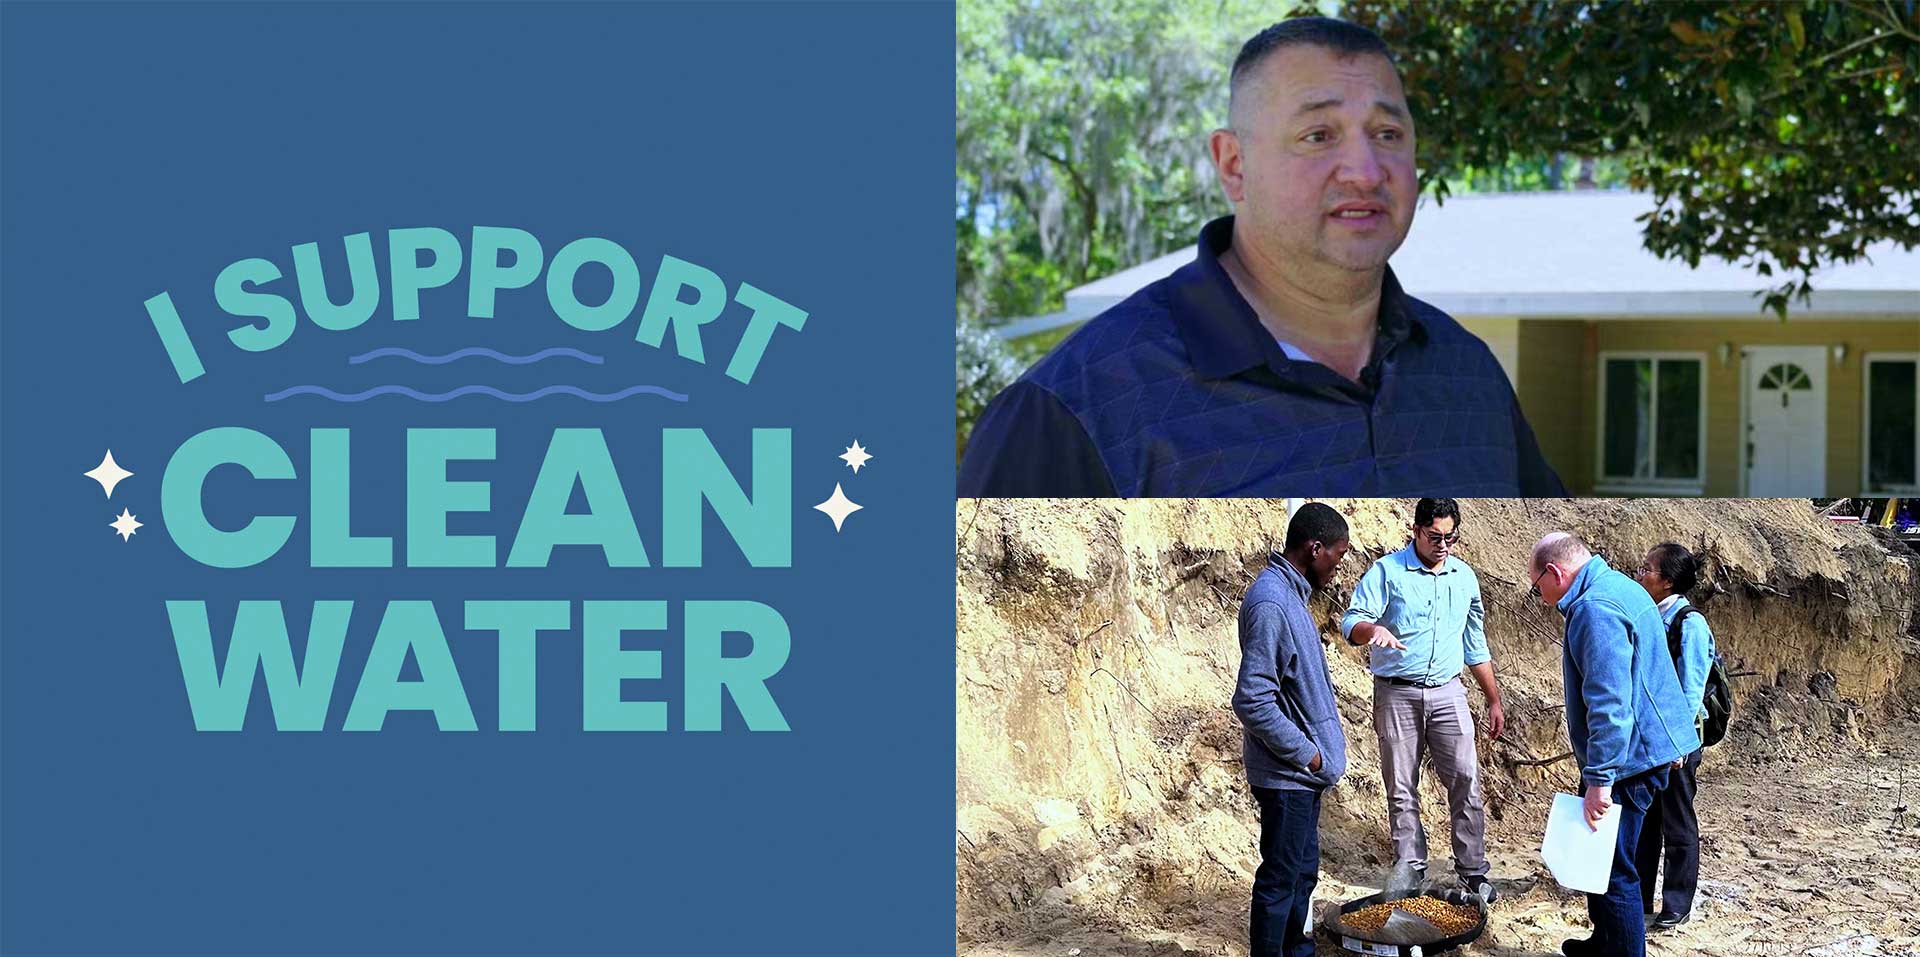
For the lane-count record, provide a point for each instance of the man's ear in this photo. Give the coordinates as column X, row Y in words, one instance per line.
column 1227, row 158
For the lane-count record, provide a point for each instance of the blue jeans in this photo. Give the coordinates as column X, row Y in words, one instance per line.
column 1619, row 927
column 1289, row 868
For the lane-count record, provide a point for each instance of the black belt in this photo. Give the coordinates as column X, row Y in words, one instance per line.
column 1410, row 683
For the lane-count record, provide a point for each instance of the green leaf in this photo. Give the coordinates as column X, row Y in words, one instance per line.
column 1689, row 34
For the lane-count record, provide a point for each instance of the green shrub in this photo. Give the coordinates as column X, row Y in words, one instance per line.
column 982, row 367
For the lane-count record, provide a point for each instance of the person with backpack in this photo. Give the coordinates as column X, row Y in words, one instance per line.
column 1669, row 572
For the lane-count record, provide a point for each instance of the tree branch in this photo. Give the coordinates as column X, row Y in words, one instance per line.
column 1847, row 49
column 1893, row 21
column 1089, row 205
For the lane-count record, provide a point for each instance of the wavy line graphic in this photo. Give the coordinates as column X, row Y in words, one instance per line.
column 556, row 352
column 466, row 390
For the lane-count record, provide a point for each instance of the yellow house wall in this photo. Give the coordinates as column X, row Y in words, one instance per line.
column 1502, row 335
column 1554, row 362
column 1558, row 385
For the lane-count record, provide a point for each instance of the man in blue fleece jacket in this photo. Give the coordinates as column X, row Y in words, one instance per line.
column 1294, row 746
column 1626, row 717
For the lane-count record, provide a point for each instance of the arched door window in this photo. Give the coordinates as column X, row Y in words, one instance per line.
column 1786, row 378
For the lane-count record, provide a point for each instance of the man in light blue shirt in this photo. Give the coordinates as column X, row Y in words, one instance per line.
column 1419, row 611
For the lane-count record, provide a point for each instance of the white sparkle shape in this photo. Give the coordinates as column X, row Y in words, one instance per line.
column 125, row 525
column 838, row 507
column 856, row 456
column 108, row 473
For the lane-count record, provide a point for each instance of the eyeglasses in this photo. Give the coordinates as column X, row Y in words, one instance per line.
column 1436, row 539
column 1535, row 589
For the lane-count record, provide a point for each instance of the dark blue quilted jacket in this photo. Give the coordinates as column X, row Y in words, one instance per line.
column 1180, row 392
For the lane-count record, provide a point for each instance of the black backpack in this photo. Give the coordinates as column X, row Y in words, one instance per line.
column 1719, row 697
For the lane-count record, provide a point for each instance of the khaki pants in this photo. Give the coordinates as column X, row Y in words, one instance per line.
column 1435, row 721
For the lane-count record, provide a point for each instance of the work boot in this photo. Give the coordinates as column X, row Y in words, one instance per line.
column 1580, row 947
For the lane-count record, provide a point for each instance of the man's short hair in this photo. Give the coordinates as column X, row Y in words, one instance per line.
column 1343, row 38
column 1564, row 549
column 1315, row 522
column 1430, row 510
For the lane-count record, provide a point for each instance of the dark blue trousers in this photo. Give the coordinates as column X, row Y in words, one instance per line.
column 1289, row 868
column 1619, row 927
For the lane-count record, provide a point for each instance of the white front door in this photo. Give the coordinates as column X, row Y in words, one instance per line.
column 1786, row 402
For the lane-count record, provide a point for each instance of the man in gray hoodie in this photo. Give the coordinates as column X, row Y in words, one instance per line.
column 1294, row 746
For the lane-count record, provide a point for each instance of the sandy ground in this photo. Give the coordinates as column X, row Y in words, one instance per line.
column 1816, row 855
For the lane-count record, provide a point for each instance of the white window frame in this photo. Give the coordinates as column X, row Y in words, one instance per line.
column 1866, row 424
column 1614, row 484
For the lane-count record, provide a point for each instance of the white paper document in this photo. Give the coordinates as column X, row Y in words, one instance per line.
column 1579, row 857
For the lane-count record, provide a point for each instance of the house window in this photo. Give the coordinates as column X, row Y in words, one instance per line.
column 1785, row 378
column 1653, row 419
column 1893, row 423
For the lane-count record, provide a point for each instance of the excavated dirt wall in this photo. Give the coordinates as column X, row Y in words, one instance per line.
column 1099, row 775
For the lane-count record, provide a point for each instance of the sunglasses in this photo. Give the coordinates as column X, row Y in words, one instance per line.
column 1535, row 589
column 1436, row 539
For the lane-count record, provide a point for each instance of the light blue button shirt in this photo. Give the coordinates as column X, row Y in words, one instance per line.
column 1436, row 613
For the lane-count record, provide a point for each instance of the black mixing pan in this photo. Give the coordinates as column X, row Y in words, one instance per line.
column 1404, row 934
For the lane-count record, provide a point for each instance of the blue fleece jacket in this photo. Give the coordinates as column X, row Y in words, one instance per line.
column 1625, row 711
column 1284, row 698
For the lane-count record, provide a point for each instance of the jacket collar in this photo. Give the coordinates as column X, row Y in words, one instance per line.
column 1594, row 568
column 1290, row 575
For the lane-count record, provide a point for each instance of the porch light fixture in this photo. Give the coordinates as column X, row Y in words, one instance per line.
column 1724, row 353
column 1839, row 353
